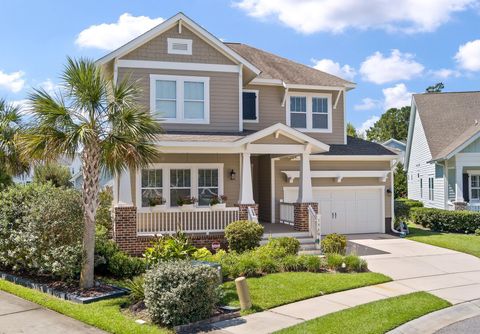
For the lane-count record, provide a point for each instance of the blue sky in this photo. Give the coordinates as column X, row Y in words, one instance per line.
column 390, row 49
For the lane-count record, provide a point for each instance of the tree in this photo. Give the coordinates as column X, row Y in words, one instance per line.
column 11, row 124
column 392, row 124
column 400, row 181
column 351, row 131
column 437, row 88
column 103, row 121
column 58, row 175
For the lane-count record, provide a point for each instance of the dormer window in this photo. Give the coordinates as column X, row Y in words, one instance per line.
column 179, row 46
column 310, row 112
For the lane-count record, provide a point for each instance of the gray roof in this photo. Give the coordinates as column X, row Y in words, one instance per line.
column 275, row 67
column 201, row 136
column 358, row 146
column 448, row 119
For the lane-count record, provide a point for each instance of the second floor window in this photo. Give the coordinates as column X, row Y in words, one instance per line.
column 180, row 99
column 310, row 113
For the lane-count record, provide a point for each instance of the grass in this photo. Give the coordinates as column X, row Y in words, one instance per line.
column 375, row 317
column 465, row 243
column 278, row 289
column 105, row 314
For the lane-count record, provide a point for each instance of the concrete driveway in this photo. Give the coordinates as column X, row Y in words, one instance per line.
column 20, row 316
column 448, row 274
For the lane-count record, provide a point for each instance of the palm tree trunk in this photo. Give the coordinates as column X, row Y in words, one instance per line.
column 90, row 190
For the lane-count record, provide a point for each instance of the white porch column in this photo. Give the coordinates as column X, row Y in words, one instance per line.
column 125, row 189
column 305, row 193
column 246, row 188
column 459, row 182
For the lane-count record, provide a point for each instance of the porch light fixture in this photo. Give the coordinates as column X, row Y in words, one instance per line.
column 389, row 191
column 232, row 175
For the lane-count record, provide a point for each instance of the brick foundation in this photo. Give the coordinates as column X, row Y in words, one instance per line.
column 300, row 215
column 125, row 234
column 243, row 210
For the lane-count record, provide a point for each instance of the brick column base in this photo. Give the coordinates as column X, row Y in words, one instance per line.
column 300, row 215
column 460, row 206
column 243, row 210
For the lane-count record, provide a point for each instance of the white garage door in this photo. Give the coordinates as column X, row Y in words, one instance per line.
column 347, row 210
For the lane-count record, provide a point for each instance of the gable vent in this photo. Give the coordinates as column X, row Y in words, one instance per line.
column 179, row 46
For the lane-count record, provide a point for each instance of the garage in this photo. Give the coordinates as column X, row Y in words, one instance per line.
column 347, row 210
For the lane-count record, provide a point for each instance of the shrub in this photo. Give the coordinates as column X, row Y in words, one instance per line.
column 177, row 292
column 53, row 173
column 243, row 235
column 477, row 231
column 334, row 243
column 334, row 261
column 403, row 206
column 310, row 263
column 176, row 247
column 41, row 230
column 349, row 263
column 446, row 221
column 137, row 288
column 201, row 254
column 289, row 244
column 111, row 261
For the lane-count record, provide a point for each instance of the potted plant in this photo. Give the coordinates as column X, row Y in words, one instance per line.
column 157, row 202
column 218, row 202
column 186, row 203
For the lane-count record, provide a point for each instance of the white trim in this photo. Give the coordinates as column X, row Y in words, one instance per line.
column 309, row 112
column 256, row 105
column 164, row 26
column 464, row 145
column 180, row 80
column 172, row 41
column 272, row 189
column 267, row 82
column 240, row 98
column 339, row 175
column 337, row 99
column 166, row 167
column 473, row 171
column 393, row 140
column 279, row 82
column 181, row 66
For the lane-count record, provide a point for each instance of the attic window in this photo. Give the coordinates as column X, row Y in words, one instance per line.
column 179, row 46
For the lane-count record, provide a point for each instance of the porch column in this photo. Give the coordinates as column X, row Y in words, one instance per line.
column 246, row 188
column 459, row 183
column 124, row 189
column 305, row 193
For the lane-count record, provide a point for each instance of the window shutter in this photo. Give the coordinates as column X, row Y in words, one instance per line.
column 249, row 106
column 466, row 188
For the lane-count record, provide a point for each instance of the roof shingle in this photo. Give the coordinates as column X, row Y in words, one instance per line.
column 358, row 146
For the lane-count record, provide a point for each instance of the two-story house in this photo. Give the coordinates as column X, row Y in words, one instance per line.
column 443, row 150
column 267, row 132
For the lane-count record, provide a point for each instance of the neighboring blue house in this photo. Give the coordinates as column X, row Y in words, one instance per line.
column 398, row 146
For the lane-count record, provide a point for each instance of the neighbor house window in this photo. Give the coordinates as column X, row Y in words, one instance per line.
column 431, row 188
column 311, row 112
column 180, row 185
column 151, row 185
column 207, row 186
column 421, row 188
column 475, row 187
column 180, row 99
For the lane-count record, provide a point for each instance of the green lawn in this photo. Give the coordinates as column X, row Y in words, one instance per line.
column 105, row 314
column 283, row 288
column 466, row 243
column 376, row 317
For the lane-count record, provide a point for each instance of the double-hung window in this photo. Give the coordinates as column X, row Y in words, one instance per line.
column 180, row 99
column 475, row 187
column 207, row 185
column 431, row 190
column 310, row 112
column 151, row 185
column 180, row 185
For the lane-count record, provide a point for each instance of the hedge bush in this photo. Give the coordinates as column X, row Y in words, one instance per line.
column 243, row 235
column 177, row 293
column 446, row 221
column 403, row 206
column 111, row 261
column 289, row 244
column 349, row 263
column 41, row 230
column 166, row 248
column 334, row 243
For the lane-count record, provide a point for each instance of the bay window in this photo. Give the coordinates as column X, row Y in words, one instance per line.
column 310, row 112
column 180, row 99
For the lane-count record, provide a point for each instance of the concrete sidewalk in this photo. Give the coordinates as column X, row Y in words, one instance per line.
column 413, row 266
column 20, row 316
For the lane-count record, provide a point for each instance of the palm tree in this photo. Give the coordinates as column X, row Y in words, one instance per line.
column 103, row 121
column 10, row 126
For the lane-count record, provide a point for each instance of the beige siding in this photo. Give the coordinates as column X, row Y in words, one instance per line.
column 287, row 164
column 157, row 48
column 270, row 139
column 223, row 97
column 271, row 112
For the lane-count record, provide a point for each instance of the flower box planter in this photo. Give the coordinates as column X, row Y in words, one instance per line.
column 187, row 207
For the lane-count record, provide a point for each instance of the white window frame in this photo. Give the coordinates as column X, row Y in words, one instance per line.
column 166, row 180
column 171, row 50
column 256, row 105
column 180, row 86
column 309, row 97
column 431, row 188
column 142, row 188
column 470, row 174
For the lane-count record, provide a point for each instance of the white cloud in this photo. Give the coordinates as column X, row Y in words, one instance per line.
column 397, row 96
column 445, row 73
column 13, row 82
column 367, row 104
column 468, row 56
column 109, row 36
column 327, row 65
column 310, row 16
column 398, row 66
column 21, row 104
column 50, row 86
column 367, row 125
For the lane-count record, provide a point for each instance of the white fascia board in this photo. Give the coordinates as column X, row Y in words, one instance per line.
column 411, row 125
column 395, row 141
column 462, row 146
column 182, row 66
column 339, row 175
column 278, row 82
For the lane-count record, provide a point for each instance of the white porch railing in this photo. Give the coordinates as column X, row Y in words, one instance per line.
column 287, row 213
column 473, row 207
column 314, row 226
column 200, row 220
